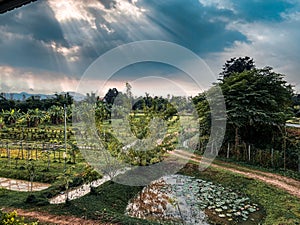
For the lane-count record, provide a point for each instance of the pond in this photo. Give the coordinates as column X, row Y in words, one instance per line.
column 187, row 200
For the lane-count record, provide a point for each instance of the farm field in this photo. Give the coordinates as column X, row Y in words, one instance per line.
column 111, row 199
column 85, row 156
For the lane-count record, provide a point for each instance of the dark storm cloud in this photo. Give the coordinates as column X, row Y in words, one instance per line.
column 202, row 29
column 26, row 34
column 187, row 23
column 29, row 33
column 26, row 52
column 36, row 19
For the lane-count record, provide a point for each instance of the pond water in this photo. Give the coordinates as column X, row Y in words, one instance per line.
column 184, row 199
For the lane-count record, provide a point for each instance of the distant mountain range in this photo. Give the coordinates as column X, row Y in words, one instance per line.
column 24, row 95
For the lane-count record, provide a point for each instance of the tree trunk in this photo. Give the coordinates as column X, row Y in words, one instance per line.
column 74, row 156
column 236, row 145
column 31, row 182
column 48, row 166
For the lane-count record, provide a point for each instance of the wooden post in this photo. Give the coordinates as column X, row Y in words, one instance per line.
column 228, row 148
column 65, row 136
column 7, row 153
column 299, row 162
column 249, row 153
column 48, row 154
column 36, row 153
column 54, row 155
column 58, row 155
column 27, row 152
column 284, row 149
column 260, row 156
column 272, row 157
column 1, row 148
column 21, row 146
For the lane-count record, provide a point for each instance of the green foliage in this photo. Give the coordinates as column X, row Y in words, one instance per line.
column 258, row 104
column 31, row 171
column 147, row 119
column 257, row 96
column 204, row 118
column 89, row 174
column 34, row 103
column 37, row 200
column 32, row 112
column 237, row 65
column 12, row 219
column 67, row 177
column 56, row 114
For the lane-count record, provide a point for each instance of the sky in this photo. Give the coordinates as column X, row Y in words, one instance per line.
column 48, row 46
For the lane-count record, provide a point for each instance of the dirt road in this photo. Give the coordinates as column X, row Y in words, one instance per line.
column 43, row 217
column 284, row 183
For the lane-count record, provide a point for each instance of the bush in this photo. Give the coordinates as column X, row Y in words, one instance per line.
column 12, row 219
column 37, row 200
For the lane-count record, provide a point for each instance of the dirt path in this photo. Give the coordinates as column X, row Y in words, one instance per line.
column 284, row 183
column 21, row 185
column 55, row 219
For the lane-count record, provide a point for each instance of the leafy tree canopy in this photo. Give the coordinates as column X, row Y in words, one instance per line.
column 258, row 103
column 237, row 65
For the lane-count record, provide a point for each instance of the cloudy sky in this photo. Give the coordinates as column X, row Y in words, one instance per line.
column 47, row 46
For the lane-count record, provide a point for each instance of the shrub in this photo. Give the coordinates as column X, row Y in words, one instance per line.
column 37, row 200
column 12, row 219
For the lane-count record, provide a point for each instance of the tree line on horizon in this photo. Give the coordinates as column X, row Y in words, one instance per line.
column 258, row 103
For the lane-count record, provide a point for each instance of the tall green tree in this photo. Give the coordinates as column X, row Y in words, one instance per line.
column 237, row 65
column 11, row 116
column 56, row 114
column 36, row 117
column 258, row 104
